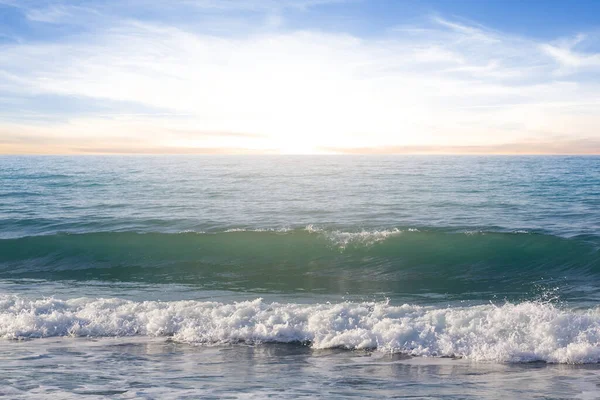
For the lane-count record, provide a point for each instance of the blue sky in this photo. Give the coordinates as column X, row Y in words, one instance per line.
column 299, row 76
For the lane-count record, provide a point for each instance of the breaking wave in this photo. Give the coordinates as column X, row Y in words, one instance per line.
column 524, row 332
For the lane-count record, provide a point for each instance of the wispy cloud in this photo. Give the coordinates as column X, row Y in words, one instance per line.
column 441, row 83
column 568, row 58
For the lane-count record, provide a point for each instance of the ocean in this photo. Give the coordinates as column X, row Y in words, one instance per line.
column 156, row 277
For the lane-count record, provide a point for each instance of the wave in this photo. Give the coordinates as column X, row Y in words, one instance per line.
column 525, row 332
column 362, row 262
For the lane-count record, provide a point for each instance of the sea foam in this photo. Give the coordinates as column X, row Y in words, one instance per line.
column 365, row 237
column 524, row 332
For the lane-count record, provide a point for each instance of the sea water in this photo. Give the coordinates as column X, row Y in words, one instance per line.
column 299, row 276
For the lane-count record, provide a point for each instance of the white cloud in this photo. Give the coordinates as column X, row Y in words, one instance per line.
column 444, row 83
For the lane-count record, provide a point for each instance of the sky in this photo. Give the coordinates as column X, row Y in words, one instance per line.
column 299, row 77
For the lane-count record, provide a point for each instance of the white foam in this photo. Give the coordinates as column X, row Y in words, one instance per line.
column 277, row 230
column 364, row 237
column 513, row 332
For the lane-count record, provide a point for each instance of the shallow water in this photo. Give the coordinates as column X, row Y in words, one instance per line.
column 158, row 277
column 149, row 368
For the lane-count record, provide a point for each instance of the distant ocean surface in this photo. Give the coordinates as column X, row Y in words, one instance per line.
column 299, row 276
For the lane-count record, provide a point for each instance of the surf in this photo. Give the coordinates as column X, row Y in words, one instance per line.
column 524, row 332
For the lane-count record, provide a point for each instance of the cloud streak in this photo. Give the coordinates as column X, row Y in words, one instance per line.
column 585, row 146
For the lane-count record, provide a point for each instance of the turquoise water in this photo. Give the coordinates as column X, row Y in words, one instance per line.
column 424, row 266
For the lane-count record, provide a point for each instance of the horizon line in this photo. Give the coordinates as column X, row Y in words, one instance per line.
column 148, row 154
